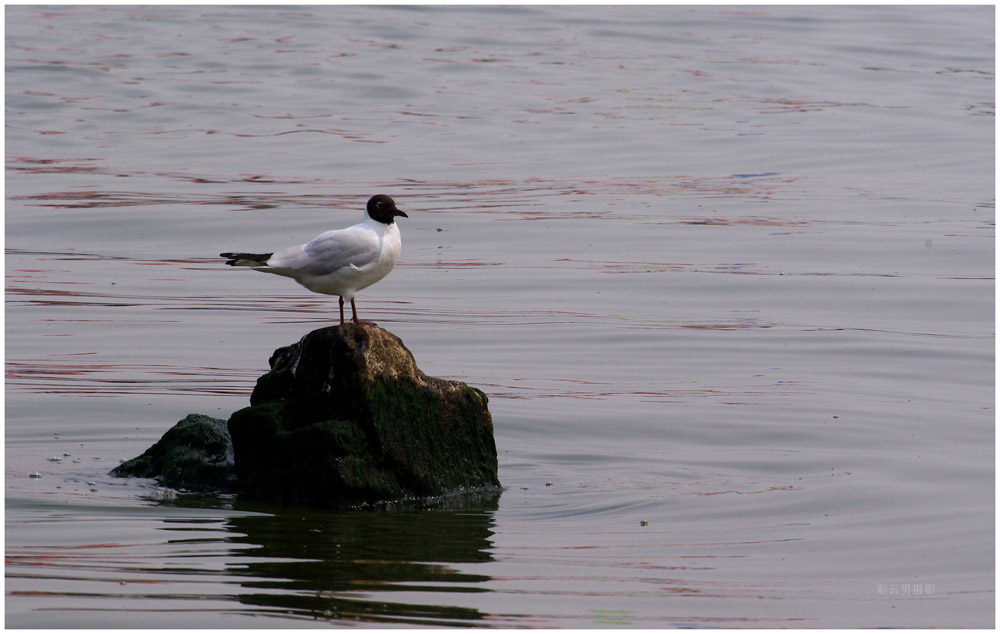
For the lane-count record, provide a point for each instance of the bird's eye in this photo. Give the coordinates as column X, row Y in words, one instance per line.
column 379, row 204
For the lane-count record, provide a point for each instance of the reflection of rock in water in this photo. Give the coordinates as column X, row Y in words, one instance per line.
column 317, row 564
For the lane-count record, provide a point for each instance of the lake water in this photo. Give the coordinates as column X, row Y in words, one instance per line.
column 726, row 273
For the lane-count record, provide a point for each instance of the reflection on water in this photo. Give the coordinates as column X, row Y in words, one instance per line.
column 333, row 565
column 286, row 562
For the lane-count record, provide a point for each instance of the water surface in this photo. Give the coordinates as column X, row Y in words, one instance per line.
column 727, row 275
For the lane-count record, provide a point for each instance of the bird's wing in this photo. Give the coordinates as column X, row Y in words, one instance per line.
column 329, row 252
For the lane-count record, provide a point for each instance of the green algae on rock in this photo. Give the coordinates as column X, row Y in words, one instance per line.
column 345, row 417
column 195, row 454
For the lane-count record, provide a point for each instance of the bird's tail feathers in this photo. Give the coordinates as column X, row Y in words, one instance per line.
column 246, row 259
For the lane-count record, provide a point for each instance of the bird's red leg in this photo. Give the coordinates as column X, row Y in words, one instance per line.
column 354, row 310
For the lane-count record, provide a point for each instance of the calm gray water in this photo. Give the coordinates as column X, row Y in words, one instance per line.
column 726, row 273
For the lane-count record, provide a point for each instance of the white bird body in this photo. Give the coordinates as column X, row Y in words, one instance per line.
column 342, row 261
column 339, row 262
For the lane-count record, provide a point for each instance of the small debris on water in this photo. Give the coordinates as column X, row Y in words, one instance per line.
column 34, row 475
column 643, row 523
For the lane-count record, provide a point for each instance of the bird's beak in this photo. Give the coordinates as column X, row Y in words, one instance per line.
column 399, row 212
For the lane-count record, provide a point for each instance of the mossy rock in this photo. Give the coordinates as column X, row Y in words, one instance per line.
column 346, row 417
column 194, row 454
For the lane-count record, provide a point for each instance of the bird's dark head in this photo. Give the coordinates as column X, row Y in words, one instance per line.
column 383, row 209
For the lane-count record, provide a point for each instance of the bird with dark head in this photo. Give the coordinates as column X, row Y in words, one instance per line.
column 339, row 262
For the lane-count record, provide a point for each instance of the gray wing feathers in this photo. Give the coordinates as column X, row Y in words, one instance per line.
column 328, row 252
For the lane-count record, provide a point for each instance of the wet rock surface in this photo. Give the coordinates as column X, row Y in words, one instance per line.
column 345, row 417
column 194, row 454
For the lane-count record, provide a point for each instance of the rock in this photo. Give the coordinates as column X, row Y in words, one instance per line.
column 345, row 417
column 195, row 454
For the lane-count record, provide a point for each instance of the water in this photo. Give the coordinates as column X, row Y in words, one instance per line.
column 726, row 273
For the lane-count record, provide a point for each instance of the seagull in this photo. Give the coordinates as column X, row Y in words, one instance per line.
column 339, row 262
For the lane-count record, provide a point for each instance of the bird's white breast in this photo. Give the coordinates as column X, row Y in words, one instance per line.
column 362, row 270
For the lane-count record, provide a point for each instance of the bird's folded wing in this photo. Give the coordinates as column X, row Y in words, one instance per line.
column 329, row 252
